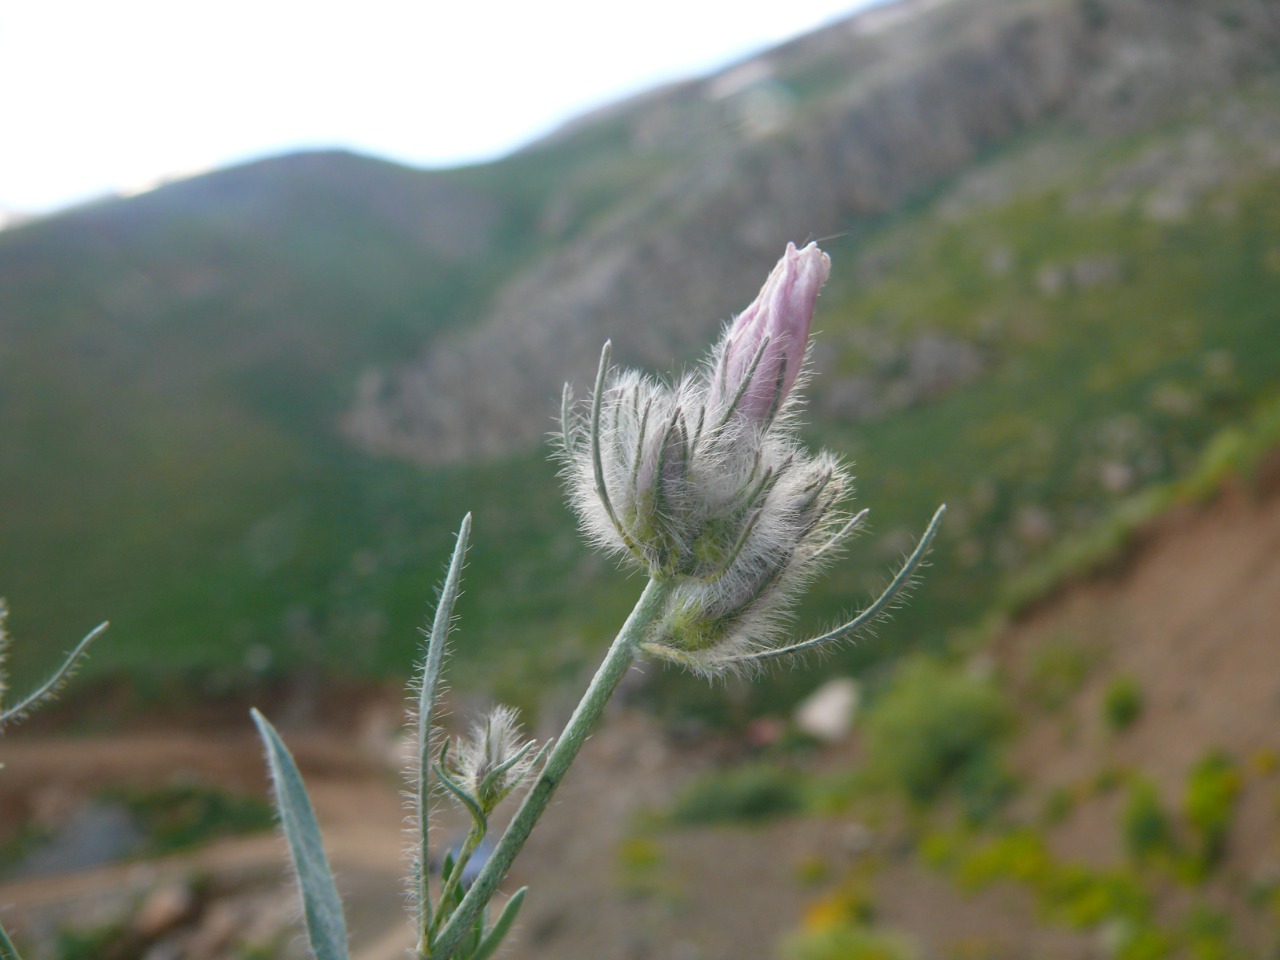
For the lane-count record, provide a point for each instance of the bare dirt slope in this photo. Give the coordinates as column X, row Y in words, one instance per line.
column 1192, row 623
column 1194, row 619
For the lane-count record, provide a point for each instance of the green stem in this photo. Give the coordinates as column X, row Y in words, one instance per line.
column 623, row 651
column 455, row 877
column 7, row 950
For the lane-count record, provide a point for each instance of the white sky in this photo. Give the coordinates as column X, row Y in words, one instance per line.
column 109, row 95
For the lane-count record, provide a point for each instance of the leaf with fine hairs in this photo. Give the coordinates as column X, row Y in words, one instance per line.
column 493, row 939
column 427, row 682
column 51, row 686
column 326, row 928
column 7, row 950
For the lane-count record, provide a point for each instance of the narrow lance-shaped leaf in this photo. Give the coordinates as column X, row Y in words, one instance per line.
column 326, row 928
column 877, row 607
column 437, row 639
column 493, row 939
column 4, row 649
column 7, row 950
column 50, row 686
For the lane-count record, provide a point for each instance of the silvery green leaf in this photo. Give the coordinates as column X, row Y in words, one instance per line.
column 7, row 950
column 493, row 939
column 455, row 891
column 427, row 682
column 326, row 928
column 58, row 678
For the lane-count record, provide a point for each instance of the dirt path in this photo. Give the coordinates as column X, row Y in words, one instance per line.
column 715, row 894
column 356, row 799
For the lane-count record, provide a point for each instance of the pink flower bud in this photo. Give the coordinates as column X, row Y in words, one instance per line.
column 775, row 328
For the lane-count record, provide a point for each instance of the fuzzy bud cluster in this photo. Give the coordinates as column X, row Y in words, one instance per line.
column 702, row 482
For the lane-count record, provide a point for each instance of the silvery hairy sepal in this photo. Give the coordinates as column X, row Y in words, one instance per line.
column 709, row 625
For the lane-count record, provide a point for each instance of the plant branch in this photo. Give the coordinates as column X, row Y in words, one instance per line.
column 648, row 608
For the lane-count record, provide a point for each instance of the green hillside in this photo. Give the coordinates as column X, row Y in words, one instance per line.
column 173, row 369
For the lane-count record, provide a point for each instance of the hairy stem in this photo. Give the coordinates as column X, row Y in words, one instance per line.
column 455, row 877
column 7, row 950
column 648, row 608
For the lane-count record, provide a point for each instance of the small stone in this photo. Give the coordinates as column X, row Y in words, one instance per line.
column 828, row 712
column 219, row 926
column 165, row 908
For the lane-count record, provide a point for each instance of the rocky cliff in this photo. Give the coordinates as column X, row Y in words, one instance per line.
column 827, row 135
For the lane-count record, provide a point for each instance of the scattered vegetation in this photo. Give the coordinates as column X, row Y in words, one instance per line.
column 182, row 816
column 17, row 848
column 848, row 943
column 1213, row 787
column 1148, row 831
column 640, row 864
column 1058, row 670
column 1058, row 806
column 1119, row 901
column 94, row 943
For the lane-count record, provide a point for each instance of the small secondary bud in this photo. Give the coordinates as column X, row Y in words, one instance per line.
column 494, row 760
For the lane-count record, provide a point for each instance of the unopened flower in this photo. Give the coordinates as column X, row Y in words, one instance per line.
column 759, row 359
column 493, row 761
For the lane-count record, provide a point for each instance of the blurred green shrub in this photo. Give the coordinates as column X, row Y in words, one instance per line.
column 935, row 727
column 1208, row 934
column 1213, row 787
column 1121, row 704
column 1070, row 894
column 89, row 943
column 750, row 793
column 1148, row 832
column 640, row 864
column 182, row 816
column 1059, row 804
column 1142, row 941
column 983, row 784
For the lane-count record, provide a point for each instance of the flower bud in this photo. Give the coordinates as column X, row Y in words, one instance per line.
column 762, row 354
column 701, row 484
column 494, row 760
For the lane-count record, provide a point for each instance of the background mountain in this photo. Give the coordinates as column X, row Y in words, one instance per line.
column 242, row 414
